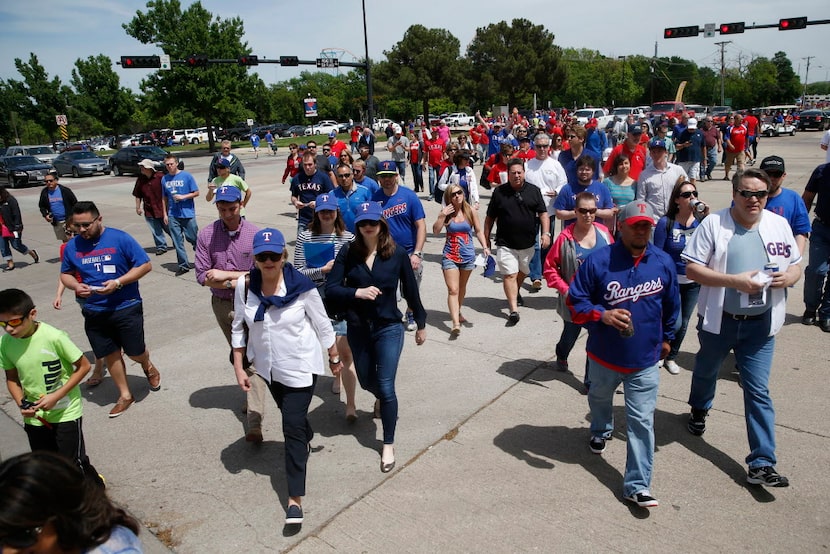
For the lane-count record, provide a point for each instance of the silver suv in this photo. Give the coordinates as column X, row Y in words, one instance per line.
column 43, row 153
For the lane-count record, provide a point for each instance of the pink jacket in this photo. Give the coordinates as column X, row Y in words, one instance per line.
column 560, row 264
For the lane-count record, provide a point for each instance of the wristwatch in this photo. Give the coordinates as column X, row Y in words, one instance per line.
column 549, row 234
column 419, row 254
column 334, row 361
column 118, row 284
column 228, row 284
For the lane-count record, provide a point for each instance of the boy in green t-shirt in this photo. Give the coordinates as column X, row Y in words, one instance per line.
column 43, row 370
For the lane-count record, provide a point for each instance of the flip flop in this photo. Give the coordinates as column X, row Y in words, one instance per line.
column 94, row 381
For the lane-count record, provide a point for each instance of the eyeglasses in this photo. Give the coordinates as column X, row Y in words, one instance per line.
column 543, row 146
column 343, row 175
column 368, row 223
column 586, row 211
column 49, row 180
column 84, row 224
column 689, row 194
column 267, row 256
column 14, row 322
column 759, row 194
column 23, row 538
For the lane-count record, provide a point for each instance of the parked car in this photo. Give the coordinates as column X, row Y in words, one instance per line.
column 380, row 124
column 20, row 170
column 294, row 131
column 323, row 128
column 584, row 115
column 720, row 114
column 126, row 160
column 43, row 153
column 623, row 112
column 698, row 111
column 80, row 163
column 813, row 119
column 460, row 119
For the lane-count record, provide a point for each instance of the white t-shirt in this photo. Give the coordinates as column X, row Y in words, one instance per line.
column 825, row 142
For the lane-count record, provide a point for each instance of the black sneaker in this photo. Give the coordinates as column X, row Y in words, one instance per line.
column 512, row 319
column 597, row 445
column 697, row 422
column 766, row 476
column 809, row 317
column 294, row 515
column 643, row 499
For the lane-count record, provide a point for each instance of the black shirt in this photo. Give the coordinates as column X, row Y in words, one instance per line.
column 516, row 214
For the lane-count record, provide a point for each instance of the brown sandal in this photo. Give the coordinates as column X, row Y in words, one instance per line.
column 153, row 378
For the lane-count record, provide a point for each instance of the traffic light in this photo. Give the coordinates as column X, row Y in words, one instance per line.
column 197, row 60
column 681, row 32
column 791, row 23
column 732, row 28
column 135, row 62
column 289, row 60
column 248, row 60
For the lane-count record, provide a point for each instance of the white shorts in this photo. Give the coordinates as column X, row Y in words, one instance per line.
column 513, row 261
column 692, row 169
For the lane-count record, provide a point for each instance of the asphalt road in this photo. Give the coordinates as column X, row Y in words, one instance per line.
column 491, row 445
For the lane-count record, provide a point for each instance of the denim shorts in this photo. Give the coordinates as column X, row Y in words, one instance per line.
column 449, row 264
column 339, row 327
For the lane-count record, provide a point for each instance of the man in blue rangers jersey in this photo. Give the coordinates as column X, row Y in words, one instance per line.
column 626, row 295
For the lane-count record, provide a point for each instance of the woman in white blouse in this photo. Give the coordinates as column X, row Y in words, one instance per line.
column 280, row 315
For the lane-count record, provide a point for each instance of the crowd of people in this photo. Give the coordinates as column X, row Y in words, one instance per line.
column 636, row 252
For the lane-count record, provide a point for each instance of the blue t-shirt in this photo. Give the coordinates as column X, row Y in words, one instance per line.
column 110, row 257
column 180, row 183
column 673, row 241
column 56, row 204
column 347, row 202
column 790, row 206
column 401, row 211
column 369, row 183
column 307, row 189
column 567, row 198
column 566, row 158
column 255, row 140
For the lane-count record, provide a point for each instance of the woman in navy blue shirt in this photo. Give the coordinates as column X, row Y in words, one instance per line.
column 671, row 234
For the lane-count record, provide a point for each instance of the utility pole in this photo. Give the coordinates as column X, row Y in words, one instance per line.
column 653, row 62
column 806, row 76
column 722, row 68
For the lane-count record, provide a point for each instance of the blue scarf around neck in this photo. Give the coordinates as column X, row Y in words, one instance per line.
column 295, row 284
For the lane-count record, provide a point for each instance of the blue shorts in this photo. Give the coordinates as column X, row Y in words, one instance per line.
column 110, row 332
column 463, row 266
column 339, row 327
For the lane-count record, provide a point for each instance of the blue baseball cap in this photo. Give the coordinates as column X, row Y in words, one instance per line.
column 222, row 162
column 333, row 134
column 228, row 194
column 268, row 240
column 387, row 168
column 368, row 211
column 657, row 143
column 325, row 202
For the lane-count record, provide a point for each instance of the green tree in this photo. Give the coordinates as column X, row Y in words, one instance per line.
column 216, row 93
column 44, row 97
column 520, row 59
column 789, row 85
column 422, row 66
column 99, row 93
column 762, row 76
column 12, row 103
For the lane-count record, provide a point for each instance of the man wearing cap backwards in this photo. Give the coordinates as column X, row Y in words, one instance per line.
column 148, row 190
column 816, row 283
column 306, row 186
column 225, row 178
column 691, row 150
column 516, row 206
column 336, row 146
column 223, row 255
column 656, row 182
column 180, row 188
column 742, row 305
column 785, row 202
column 626, row 295
column 405, row 216
column 399, row 146
column 630, row 147
column 225, row 153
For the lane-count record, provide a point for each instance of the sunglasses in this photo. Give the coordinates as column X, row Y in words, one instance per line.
column 343, row 175
column 368, row 223
column 688, row 194
column 458, row 193
column 23, row 538
column 586, row 211
column 267, row 257
column 48, row 180
column 542, row 145
column 753, row 193
column 14, row 322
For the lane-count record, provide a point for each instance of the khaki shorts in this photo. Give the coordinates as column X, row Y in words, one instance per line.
column 513, row 261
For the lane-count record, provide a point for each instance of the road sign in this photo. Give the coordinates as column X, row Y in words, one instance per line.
column 249, row 122
column 328, row 63
column 310, row 107
column 709, row 30
column 60, row 119
column 165, row 61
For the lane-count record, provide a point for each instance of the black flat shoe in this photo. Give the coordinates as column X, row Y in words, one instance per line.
column 386, row 468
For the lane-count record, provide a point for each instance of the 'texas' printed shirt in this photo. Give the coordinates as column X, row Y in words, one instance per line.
column 611, row 278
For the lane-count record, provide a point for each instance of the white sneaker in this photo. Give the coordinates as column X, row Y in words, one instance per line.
column 672, row 367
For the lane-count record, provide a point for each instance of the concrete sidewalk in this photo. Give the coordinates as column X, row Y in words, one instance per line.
column 492, row 441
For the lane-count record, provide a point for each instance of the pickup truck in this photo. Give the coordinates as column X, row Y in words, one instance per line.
column 240, row 131
column 459, row 119
column 584, row 115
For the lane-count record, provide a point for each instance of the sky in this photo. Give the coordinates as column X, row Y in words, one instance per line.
column 59, row 32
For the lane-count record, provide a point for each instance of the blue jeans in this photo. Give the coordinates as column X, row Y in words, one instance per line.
column 181, row 229
column 376, row 351
column 293, row 404
column 433, row 178
column 570, row 333
column 418, row 176
column 158, row 228
column 536, row 260
column 753, row 354
column 688, row 300
column 815, row 276
column 401, row 169
column 711, row 160
column 10, row 242
column 640, row 390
